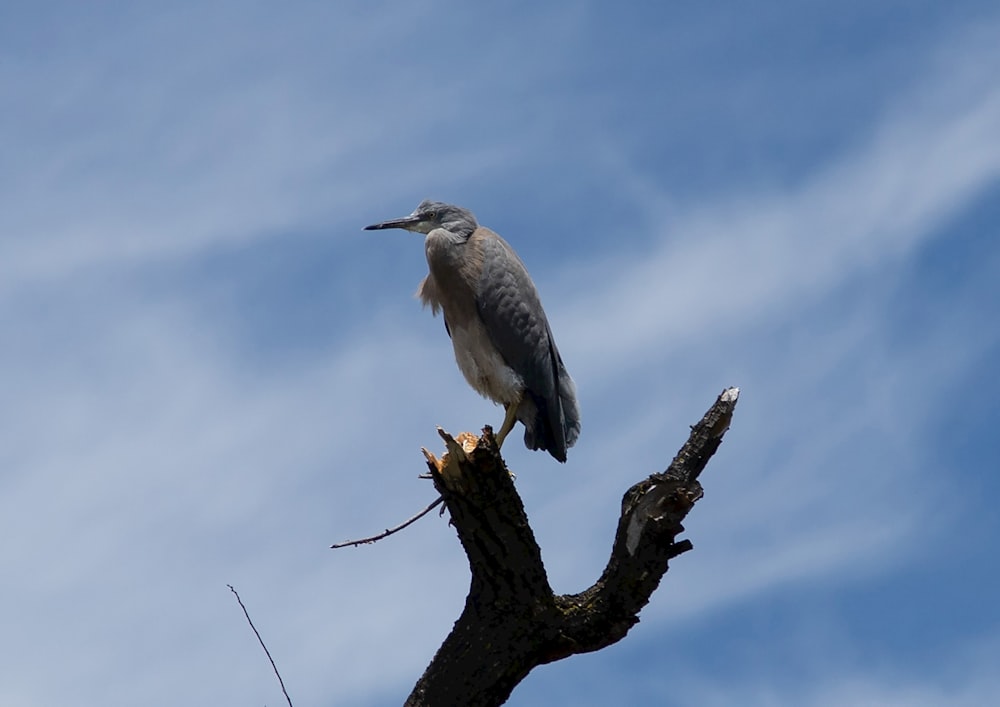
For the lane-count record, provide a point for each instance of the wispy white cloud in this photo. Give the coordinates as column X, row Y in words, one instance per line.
column 747, row 291
column 962, row 676
column 146, row 479
column 719, row 264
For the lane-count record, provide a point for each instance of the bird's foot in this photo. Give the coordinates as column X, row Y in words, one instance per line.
column 509, row 419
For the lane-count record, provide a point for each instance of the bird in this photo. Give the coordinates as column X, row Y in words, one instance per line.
column 501, row 336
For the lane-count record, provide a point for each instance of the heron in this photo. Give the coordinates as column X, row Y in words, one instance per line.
column 501, row 336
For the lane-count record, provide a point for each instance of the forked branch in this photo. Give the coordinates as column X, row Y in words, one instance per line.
column 512, row 621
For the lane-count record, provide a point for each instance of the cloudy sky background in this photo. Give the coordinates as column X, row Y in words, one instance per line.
column 209, row 373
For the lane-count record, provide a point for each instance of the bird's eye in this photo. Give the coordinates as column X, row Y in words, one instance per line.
column 432, row 215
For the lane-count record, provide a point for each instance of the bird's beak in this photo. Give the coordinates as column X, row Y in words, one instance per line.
column 407, row 222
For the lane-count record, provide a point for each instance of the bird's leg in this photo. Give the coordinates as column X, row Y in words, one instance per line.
column 508, row 422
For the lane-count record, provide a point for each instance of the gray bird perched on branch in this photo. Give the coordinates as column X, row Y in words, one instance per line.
column 502, row 340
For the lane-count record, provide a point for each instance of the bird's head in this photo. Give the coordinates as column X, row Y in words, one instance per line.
column 431, row 215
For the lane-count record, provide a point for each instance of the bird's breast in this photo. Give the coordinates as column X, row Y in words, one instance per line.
column 455, row 262
column 482, row 365
column 456, row 266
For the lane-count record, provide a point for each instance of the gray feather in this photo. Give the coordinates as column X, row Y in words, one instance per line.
column 513, row 314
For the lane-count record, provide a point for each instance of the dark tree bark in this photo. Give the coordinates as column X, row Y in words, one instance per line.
column 512, row 621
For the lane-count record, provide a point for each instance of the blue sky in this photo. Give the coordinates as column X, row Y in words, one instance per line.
column 210, row 372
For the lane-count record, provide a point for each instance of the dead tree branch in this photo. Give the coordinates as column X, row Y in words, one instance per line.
column 389, row 531
column 512, row 621
column 261, row 641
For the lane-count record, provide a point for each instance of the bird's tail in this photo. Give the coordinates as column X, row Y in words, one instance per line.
column 570, row 408
column 554, row 431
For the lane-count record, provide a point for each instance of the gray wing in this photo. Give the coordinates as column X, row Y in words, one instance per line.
column 512, row 311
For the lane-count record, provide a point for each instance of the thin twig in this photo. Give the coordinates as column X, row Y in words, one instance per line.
column 389, row 531
column 261, row 641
